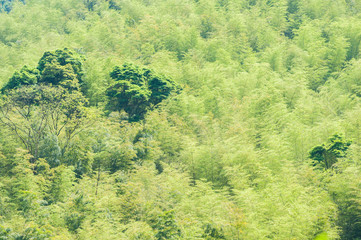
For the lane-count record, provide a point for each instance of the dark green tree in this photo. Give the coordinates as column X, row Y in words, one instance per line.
column 7, row 5
column 114, row 4
column 57, row 68
column 136, row 90
column 26, row 76
column 212, row 232
column 61, row 67
column 166, row 227
column 43, row 107
column 327, row 154
column 90, row 4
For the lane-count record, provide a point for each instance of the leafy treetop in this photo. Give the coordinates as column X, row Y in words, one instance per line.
column 7, row 5
column 58, row 68
column 136, row 90
column 327, row 154
column 66, row 63
column 26, row 76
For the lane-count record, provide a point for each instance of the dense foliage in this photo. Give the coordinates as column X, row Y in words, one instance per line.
column 169, row 119
column 137, row 90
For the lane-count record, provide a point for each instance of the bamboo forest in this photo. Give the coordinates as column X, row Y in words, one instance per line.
column 180, row 119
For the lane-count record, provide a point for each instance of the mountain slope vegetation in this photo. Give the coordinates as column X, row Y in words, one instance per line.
column 169, row 119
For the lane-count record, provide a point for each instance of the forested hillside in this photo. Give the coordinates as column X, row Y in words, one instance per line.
column 180, row 119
